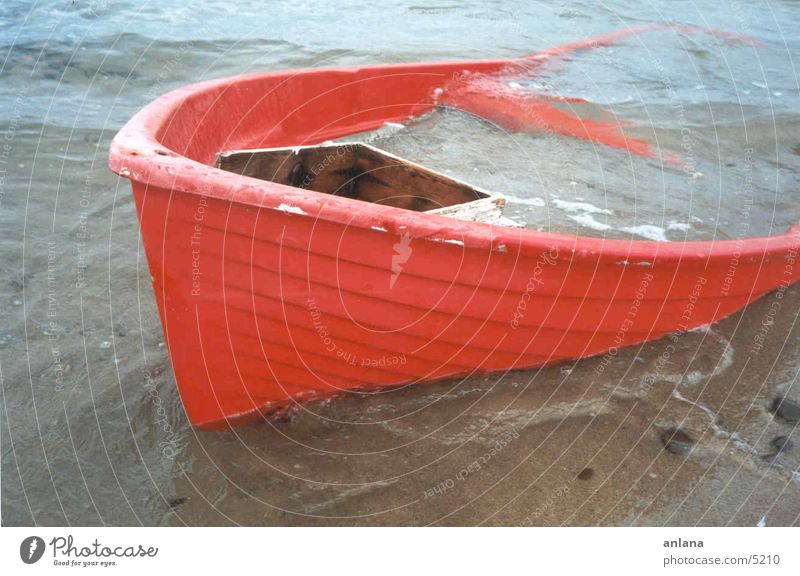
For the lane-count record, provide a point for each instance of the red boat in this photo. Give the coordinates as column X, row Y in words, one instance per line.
column 275, row 287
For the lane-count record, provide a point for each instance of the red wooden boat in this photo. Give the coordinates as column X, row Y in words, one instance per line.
column 271, row 293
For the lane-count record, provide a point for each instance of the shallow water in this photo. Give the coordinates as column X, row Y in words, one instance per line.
column 93, row 431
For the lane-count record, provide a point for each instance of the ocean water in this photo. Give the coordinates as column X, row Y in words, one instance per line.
column 93, row 431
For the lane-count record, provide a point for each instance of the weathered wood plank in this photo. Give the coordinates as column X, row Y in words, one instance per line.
column 362, row 172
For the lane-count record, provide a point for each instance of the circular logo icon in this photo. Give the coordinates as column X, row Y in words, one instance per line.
column 31, row 549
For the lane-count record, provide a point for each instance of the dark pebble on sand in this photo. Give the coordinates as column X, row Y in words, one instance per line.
column 586, row 474
column 782, row 444
column 677, row 442
column 787, row 409
column 175, row 502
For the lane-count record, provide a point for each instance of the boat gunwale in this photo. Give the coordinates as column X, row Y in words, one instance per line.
column 137, row 153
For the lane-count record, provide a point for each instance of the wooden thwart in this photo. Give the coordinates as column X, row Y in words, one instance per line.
column 363, row 172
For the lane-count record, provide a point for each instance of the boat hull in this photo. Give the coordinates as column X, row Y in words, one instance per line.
column 270, row 295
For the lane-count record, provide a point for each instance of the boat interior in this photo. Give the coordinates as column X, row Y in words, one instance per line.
column 362, row 172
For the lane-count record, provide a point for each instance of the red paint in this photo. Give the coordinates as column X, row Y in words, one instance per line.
column 488, row 95
column 269, row 294
column 522, row 112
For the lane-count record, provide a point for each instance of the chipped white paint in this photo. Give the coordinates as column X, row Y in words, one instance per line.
column 680, row 226
column 289, row 209
column 588, row 221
